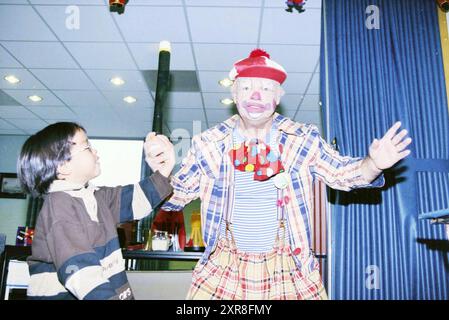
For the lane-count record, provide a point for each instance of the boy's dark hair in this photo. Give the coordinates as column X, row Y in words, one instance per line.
column 41, row 155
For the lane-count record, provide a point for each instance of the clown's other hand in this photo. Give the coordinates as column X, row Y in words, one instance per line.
column 159, row 153
column 387, row 151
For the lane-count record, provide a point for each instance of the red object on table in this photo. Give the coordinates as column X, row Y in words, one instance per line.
column 173, row 222
column 137, row 246
column 24, row 236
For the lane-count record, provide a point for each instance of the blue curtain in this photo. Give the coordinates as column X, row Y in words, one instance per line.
column 371, row 78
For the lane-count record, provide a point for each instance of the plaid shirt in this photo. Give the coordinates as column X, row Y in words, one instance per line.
column 207, row 173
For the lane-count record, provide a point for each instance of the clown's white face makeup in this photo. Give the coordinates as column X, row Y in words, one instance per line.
column 256, row 100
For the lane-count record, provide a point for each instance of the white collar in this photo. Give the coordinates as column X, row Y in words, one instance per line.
column 63, row 185
column 85, row 192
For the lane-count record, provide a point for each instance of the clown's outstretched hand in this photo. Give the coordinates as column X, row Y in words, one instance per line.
column 387, row 151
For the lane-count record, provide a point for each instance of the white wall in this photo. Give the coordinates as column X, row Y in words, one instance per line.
column 12, row 211
column 120, row 161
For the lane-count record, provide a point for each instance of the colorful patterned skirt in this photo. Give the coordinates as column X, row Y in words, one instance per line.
column 233, row 275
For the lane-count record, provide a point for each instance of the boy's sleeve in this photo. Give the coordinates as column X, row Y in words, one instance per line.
column 340, row 172
column 136, row 201
column 77, row 264
column 186, row 183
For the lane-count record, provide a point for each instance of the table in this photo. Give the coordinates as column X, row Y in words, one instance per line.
column 160, row 255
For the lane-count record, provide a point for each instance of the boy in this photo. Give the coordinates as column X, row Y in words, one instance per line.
column 76, row 252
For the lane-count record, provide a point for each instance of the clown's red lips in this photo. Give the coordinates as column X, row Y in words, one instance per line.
column 254, row 107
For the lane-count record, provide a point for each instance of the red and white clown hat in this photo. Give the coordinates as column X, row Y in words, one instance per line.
column 258, row 65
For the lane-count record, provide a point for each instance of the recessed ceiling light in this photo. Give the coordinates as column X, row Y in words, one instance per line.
column 226, row 82
column 117, row 81
column 12, row 79
column 227, row 101
column 35, row 98
column 129, row 99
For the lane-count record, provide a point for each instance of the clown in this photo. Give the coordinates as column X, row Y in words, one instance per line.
column 254, row 175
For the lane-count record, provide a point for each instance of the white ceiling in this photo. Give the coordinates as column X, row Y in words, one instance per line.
column 71, row 69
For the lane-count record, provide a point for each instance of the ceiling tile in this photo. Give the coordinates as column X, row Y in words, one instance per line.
column 213, row 100
column 224, row 25
column 27, row 80
column 93, row 113
column 290, row 101
column 133, row 80
column 49, row 113
column 81, row 98
column 180, row 80
column 12, row 131
column 95, row 23
column 219, row 57
column 216, row 115
column 134, row 113
column 13, row 1
column 289, row 113
column 213, row 124
column 115, row 98
column 275, row 4
column 315, row 4
column 7, row 60
column 310, row 108
column 7, row 100
column 84, row 2
column 30, row 124
column 184, row 114
column 155, row 2
column 314, row 87
column 41, row 54
column 147, row 56
column 6, row 125
column 184, row 99
column 21, row 96
column 15, row 112
column 101, row 55
column 227, row 3
column 153, row 24
column 135, row 130
column 98, row 48
column 193, row 128
column 296, row 83
column 313, row 117
column 311, row 100
column 64, row 79
column 274, row 18
column 294, row 58
column 72, row 119
column 110, row 128
column 209, row 81
column 31, row 25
